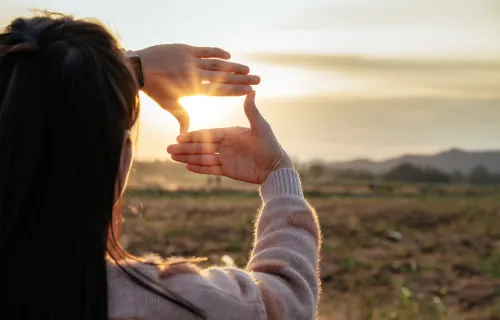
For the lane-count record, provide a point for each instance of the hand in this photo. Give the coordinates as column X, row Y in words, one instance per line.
column 245, row 154
column 172, row 71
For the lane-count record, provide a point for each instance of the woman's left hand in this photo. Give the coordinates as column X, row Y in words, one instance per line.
column 172, row 71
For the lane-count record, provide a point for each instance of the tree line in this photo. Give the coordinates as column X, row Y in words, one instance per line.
column 405, row 172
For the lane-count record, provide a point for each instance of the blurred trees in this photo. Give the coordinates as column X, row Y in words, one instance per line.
column 316, row 170
column 322, row 173
column 481, row 176
column 408, row 172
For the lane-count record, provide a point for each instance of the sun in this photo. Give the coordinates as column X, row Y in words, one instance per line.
column 208, row 112
column 204, row 112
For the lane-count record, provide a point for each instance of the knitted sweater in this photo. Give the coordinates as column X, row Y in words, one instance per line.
column 279, row 282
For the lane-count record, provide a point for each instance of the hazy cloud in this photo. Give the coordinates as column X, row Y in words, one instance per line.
column 335, row 63
column 386, row 123
column 400, row 76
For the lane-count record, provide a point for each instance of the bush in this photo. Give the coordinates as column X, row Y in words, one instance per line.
column 410, row 173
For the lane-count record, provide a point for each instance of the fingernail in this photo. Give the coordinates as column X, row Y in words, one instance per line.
column 247, row 89
column 255, row 79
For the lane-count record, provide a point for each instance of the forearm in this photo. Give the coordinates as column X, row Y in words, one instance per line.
column 286, row 253
column 281, row 279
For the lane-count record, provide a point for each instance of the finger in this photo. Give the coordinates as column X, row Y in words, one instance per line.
column 175, row 108
column 199, row 159
column 220, row 65
column 182, row 117
column 210, row 52
column 193, row 148
column 227, row 77
column 206, row 135
column 224, row 90
column 251, row 111
column 212, row 170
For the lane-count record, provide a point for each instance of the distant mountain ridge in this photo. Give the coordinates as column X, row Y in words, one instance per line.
column 449, row 161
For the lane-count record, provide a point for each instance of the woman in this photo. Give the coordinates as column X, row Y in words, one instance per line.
column 68, row 101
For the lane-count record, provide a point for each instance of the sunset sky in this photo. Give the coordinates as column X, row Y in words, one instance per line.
column 341, row 79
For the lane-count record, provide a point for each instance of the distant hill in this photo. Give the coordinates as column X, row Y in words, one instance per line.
column 449, row 161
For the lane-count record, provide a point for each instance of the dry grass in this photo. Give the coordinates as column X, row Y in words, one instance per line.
column 446, row 266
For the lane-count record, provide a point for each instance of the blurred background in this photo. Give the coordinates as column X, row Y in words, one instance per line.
column 391, row 110
column 341, row 79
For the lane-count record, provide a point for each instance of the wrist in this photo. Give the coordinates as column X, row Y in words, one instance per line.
column 282, row 163
column 281, row 183
column 287, row 163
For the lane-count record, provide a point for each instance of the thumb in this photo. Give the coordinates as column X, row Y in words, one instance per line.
column 178, row 111
column 251, row 111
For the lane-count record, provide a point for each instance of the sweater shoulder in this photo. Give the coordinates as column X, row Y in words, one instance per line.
column 212, row 291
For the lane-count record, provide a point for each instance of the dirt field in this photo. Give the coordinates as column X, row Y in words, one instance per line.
column 382, row 257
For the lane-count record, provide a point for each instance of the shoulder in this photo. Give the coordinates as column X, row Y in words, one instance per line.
column 215, row 291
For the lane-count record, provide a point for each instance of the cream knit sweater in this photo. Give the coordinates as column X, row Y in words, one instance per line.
column 279, row 282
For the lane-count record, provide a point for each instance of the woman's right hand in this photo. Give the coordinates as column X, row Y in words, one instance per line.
column 172, row 71
column 245, row 154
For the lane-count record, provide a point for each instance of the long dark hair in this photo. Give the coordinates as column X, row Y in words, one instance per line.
column 67, row 98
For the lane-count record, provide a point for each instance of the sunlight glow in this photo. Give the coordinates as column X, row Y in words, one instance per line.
column 154, row 117
column 209, row 112
column 158, row 128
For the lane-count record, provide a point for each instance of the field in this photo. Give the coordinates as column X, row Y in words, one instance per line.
column 383, row 256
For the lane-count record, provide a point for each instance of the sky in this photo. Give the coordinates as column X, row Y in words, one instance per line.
column 341, row 79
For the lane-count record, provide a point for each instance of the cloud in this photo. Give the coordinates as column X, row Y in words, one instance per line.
column 335, row 63
column 467, row 79
column 386, row 121
column 331, row 127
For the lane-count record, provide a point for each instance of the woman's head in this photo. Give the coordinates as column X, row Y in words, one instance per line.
column 67, row 103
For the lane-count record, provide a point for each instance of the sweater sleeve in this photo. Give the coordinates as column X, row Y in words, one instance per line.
column 285, row 256
column 279, row 282
column 281, row 278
